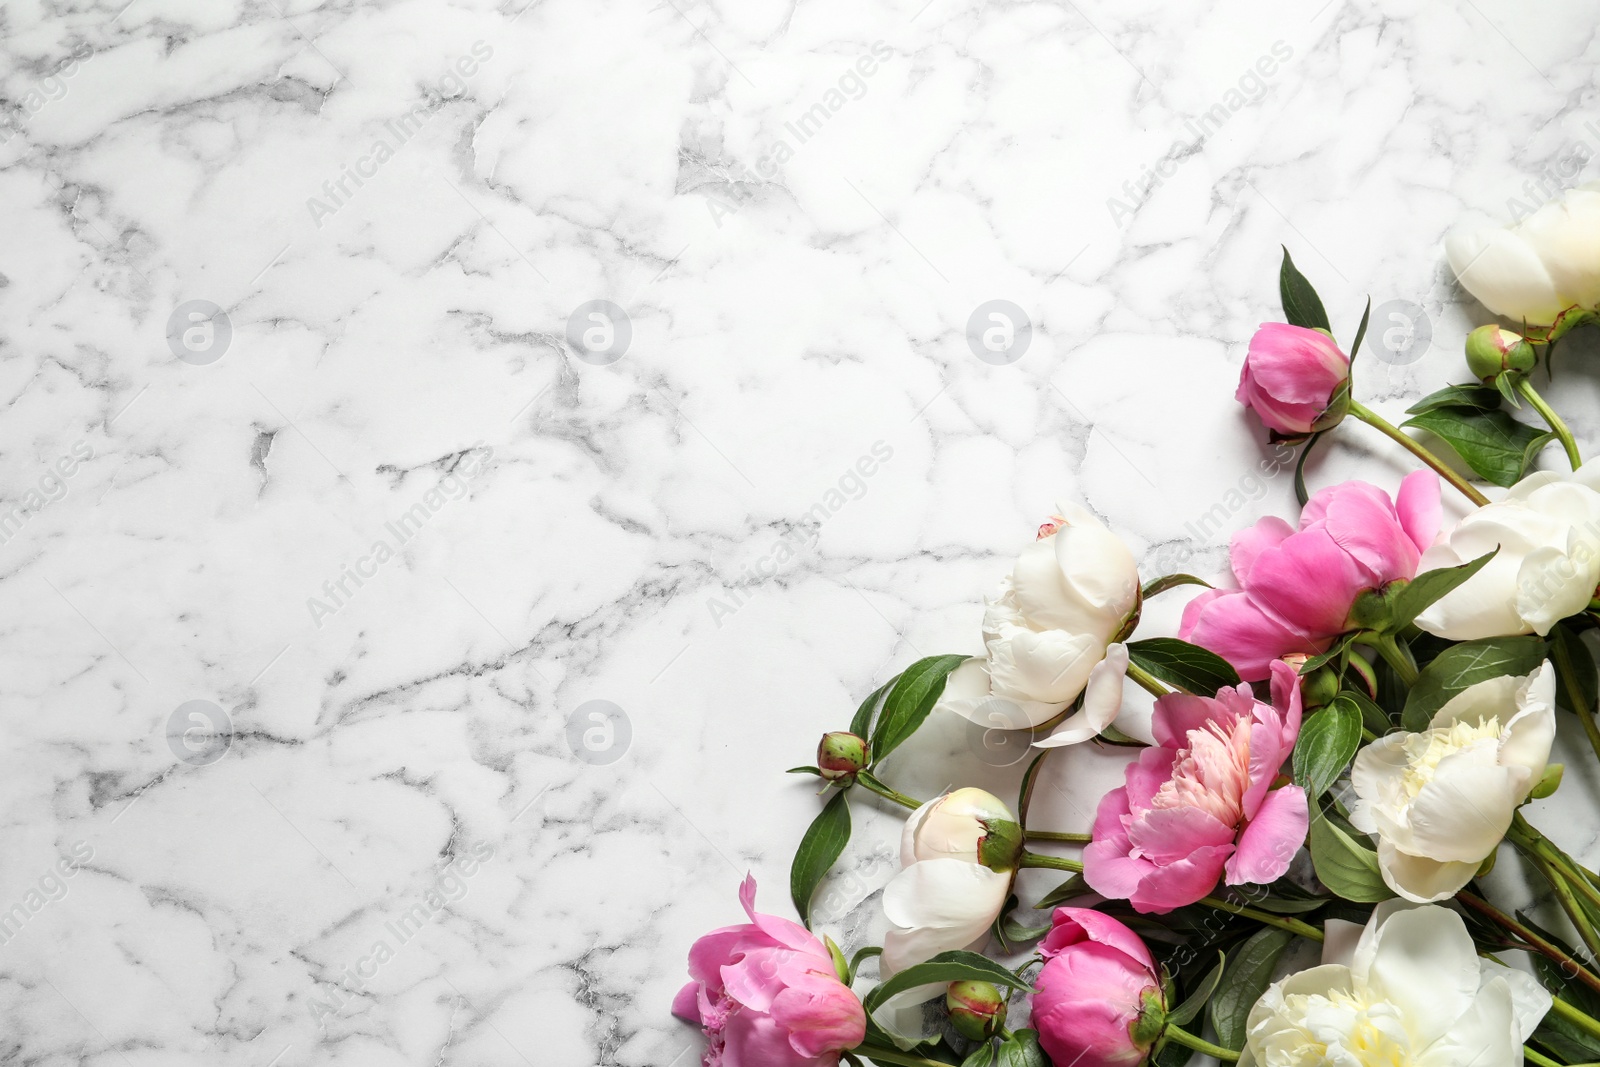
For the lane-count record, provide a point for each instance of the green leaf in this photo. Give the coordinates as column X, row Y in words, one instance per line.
column 908, row 703
column 824, row 840
column 1423, row 591
column 1496, row 446
column 1348, row 868
column 955, row 966
column 1300, row 493
column 1322, row 659
column 1186, row 666
column 1072, row 887
column 1171, row 581
column 803, row 770
column 1573, row 660
column 1481, row 397
column 1248, row 978
column 1025, row 793
column 1468, row 663
column 1301, row 304
column 1014, row 933
column 1372, row 716
column 1361, row 331
column 1328, row 742
column 1022, row 1050
column 862, row 722
column 982, row 1056
column 1183, row 1013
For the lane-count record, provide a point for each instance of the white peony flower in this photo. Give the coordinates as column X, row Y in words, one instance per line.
column 1538, row 268
column 944, row 896
column 1547, row 530
column 1413, row 991
column 1440, row 800
column 1047, row 631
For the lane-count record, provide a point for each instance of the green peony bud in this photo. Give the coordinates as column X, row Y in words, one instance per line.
column 1492, row 351
column 977, row 1009
column 842, row 755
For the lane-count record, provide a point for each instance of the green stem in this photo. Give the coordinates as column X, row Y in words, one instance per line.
column 1548, row 413
column 1053, row 863
column 1582, row 879
column 1151, row 684
column 1535, row 942
column 895, row 1056
column 872, row 785
column 1389, row 430
column 1574, row 1016
column 1184, row 1037
column 1050, row 835
column 1530, row 1056
column 1562, row 887
column 1569, row 678
column 1395, row 656
column 1282, row 922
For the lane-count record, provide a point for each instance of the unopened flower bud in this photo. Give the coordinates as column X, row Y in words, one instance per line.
column 977, row 1009
column 842, row 755
column 1492, row 351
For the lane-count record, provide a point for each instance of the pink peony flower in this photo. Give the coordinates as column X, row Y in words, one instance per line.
column 1097, row 980
column 1296, row 587
column 1201, row 803
column 767, row 994
column 1290, row 376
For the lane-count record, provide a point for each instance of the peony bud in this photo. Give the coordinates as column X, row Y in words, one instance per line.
column 1491, row 351
column 977, row 1009
column 842, row 755
column 1296, row 380
column 1098, row 1001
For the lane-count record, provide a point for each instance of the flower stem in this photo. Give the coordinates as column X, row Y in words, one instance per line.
column 1534, row 941
column 1574, row 1016
column 1548, row 413
column 1148, row 681
column 1569, row 677
column 872, row 785
column 1388, row 429
column 1552, row 863
column 1053, row 863
column 1184, row 1037
column 1282, row 922
column 1050, row 835
column 1536, row 1059
column 1395, row 656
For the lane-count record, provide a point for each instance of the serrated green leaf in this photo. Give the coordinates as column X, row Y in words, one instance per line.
column 1465, row 664
column 954, row 966
column 908, row 703
column 1480, row 397
column 1247, row 979
column 1496, row 446
column 1344, row 865
column 1301, row 304
column 1328, row 742
column 822, row 844
column 1429, row 587
column 1195, row 1001
column 1190, row 667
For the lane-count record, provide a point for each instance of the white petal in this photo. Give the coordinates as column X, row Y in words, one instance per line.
column 1339, row 940
column 1553, row 584
column 1377, row 776
column 1465, row 811
column 1046, row 669
column 1102, row 700
column 1483, row 1036
column 1566, row 235
column 1421, row 880
column 1505, row 274
column 938, row 905
column 1532, row 730
column 1530, row 1002
column 1422, row 960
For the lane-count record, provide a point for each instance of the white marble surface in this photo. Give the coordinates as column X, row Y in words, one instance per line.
column 798, row 292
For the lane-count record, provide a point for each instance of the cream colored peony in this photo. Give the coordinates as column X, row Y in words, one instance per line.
column 1533, row 271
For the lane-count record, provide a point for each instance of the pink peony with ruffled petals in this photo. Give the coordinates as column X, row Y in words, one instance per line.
column 767, row 995
column 1201, row 803
column 1296, row 587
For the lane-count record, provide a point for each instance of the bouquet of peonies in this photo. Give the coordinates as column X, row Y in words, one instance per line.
column 1342, row 743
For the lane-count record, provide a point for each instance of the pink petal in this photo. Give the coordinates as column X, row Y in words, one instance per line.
column 1249, row 543
column 1248, row 636
column 1309, row 581
column 1071, row 926
column 1361, row 519
column 686, row 1005
column 1166, row 835
column 1184, row 882
column 756, row 1040
column 1178, row 713
column 1419, row 508
column 1271, row 839
column 1296, row 365
column 790, row 934
column 820, row 1014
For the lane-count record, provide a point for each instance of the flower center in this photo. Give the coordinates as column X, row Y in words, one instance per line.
column 1337, row 1030
column 1212, row 773
column 1425, row 751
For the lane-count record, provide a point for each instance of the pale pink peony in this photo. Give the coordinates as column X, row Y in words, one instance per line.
column 1097, row 978
column 1296, row 587
column 1201, row 803
column 1290, row 376
column 768, row 995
